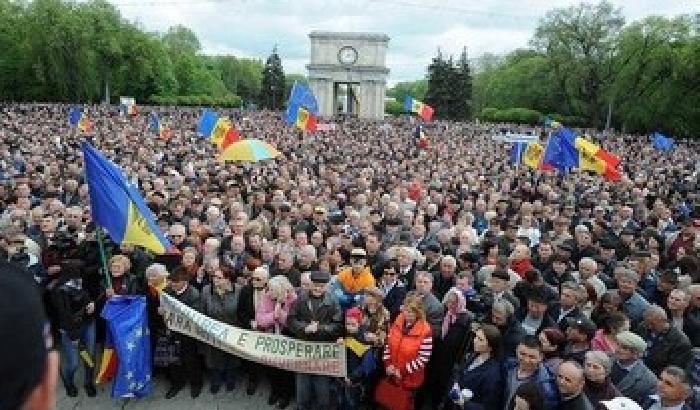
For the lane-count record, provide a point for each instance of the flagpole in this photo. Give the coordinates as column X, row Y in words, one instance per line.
column 103, row 257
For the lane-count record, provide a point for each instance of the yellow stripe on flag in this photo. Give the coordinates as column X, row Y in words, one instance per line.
column 358, row 348
column 138, row 233
column 105, row 366
column 220, row 129
column 302, row 118
column 417, row 106
column 532, row 157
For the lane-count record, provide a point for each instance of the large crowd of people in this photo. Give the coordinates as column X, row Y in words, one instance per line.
column 461, row 280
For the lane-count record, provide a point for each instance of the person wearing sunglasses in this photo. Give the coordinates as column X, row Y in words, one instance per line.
column 393, row 288
column 249, row 302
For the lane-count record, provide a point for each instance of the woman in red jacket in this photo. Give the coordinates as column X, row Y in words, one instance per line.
column 406, row 355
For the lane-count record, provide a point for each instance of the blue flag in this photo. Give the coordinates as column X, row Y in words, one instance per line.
column 561, row 152
column 300, row 97
column 207, row 122
column 662, row 142
column 117, row 205
column 127, row 323
column 516, row 152
column 74, row 116
column 154, row 122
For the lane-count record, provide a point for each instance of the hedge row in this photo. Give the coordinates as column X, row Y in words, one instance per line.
column 393, row 108
column 527, row 116
column 229, row 101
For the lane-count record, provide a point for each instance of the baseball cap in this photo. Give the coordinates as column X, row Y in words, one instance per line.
column 358, row 253
column 24, row 336
column 585, row 325
column 320, row 276
column 621, row 403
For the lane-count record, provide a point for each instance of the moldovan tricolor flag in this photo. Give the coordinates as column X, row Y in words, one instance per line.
column 118, row 207
column 219, row 130
column 425, row 111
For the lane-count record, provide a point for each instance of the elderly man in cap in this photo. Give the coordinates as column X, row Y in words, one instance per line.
column 629, row 373
column 667, row 345
column 350, row 283
column 316, row 316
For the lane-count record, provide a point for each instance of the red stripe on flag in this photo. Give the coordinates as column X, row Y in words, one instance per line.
column 611, row 159
column 311, row 123
column 230, row 137
column 108, row 367
column 426, row 112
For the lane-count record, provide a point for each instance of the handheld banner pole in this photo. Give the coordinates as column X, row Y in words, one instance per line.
column 103, row 257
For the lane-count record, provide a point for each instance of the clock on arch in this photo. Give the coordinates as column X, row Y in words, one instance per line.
column 347, row 55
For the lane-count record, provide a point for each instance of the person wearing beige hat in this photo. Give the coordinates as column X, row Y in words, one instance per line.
column 621, row 403
column 629, row 373
column 352, row 281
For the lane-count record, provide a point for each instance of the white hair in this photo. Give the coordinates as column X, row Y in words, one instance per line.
column 449, row 259
column 156, row 269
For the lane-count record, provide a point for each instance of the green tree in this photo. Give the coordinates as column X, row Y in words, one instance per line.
column 579, row 43
column 463, row 88
column 652, row 61
column 416, row 89
column 439, row 92
column 272, row 88
column 104, row 29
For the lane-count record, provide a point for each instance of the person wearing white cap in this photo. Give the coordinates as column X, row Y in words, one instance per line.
column 629, row 373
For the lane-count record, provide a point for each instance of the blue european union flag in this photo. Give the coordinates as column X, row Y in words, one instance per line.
column 207, row 123
column 662, row 142
column 516, row 152
column 300, row 97
column 561, row 152
column 127, row 322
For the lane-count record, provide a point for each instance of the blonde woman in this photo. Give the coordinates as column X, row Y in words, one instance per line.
column 271, row 316
column 408, row 349
column 122, row 282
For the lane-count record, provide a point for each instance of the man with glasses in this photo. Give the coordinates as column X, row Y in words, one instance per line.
column 248, row 305
column 348, row 287
column 393, row 288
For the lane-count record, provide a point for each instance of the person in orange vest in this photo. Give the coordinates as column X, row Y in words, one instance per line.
column 406, row 355
column 351, row 282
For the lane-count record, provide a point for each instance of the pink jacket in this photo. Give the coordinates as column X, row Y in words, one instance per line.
column 265, row 314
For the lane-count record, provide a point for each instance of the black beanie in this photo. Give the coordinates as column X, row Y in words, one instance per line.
column 23, row 336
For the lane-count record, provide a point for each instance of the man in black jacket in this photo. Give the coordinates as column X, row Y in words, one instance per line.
column 248, row 302
column 189, row 367
column 683, row 316
column 316, row 316
column 666, row 344
column 75, row 309
column 394, row 289
column 570, row 380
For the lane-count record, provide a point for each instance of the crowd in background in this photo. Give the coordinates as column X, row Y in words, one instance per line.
column 454, row 279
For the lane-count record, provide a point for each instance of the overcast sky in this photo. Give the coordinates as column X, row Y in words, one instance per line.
column 250, row 28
